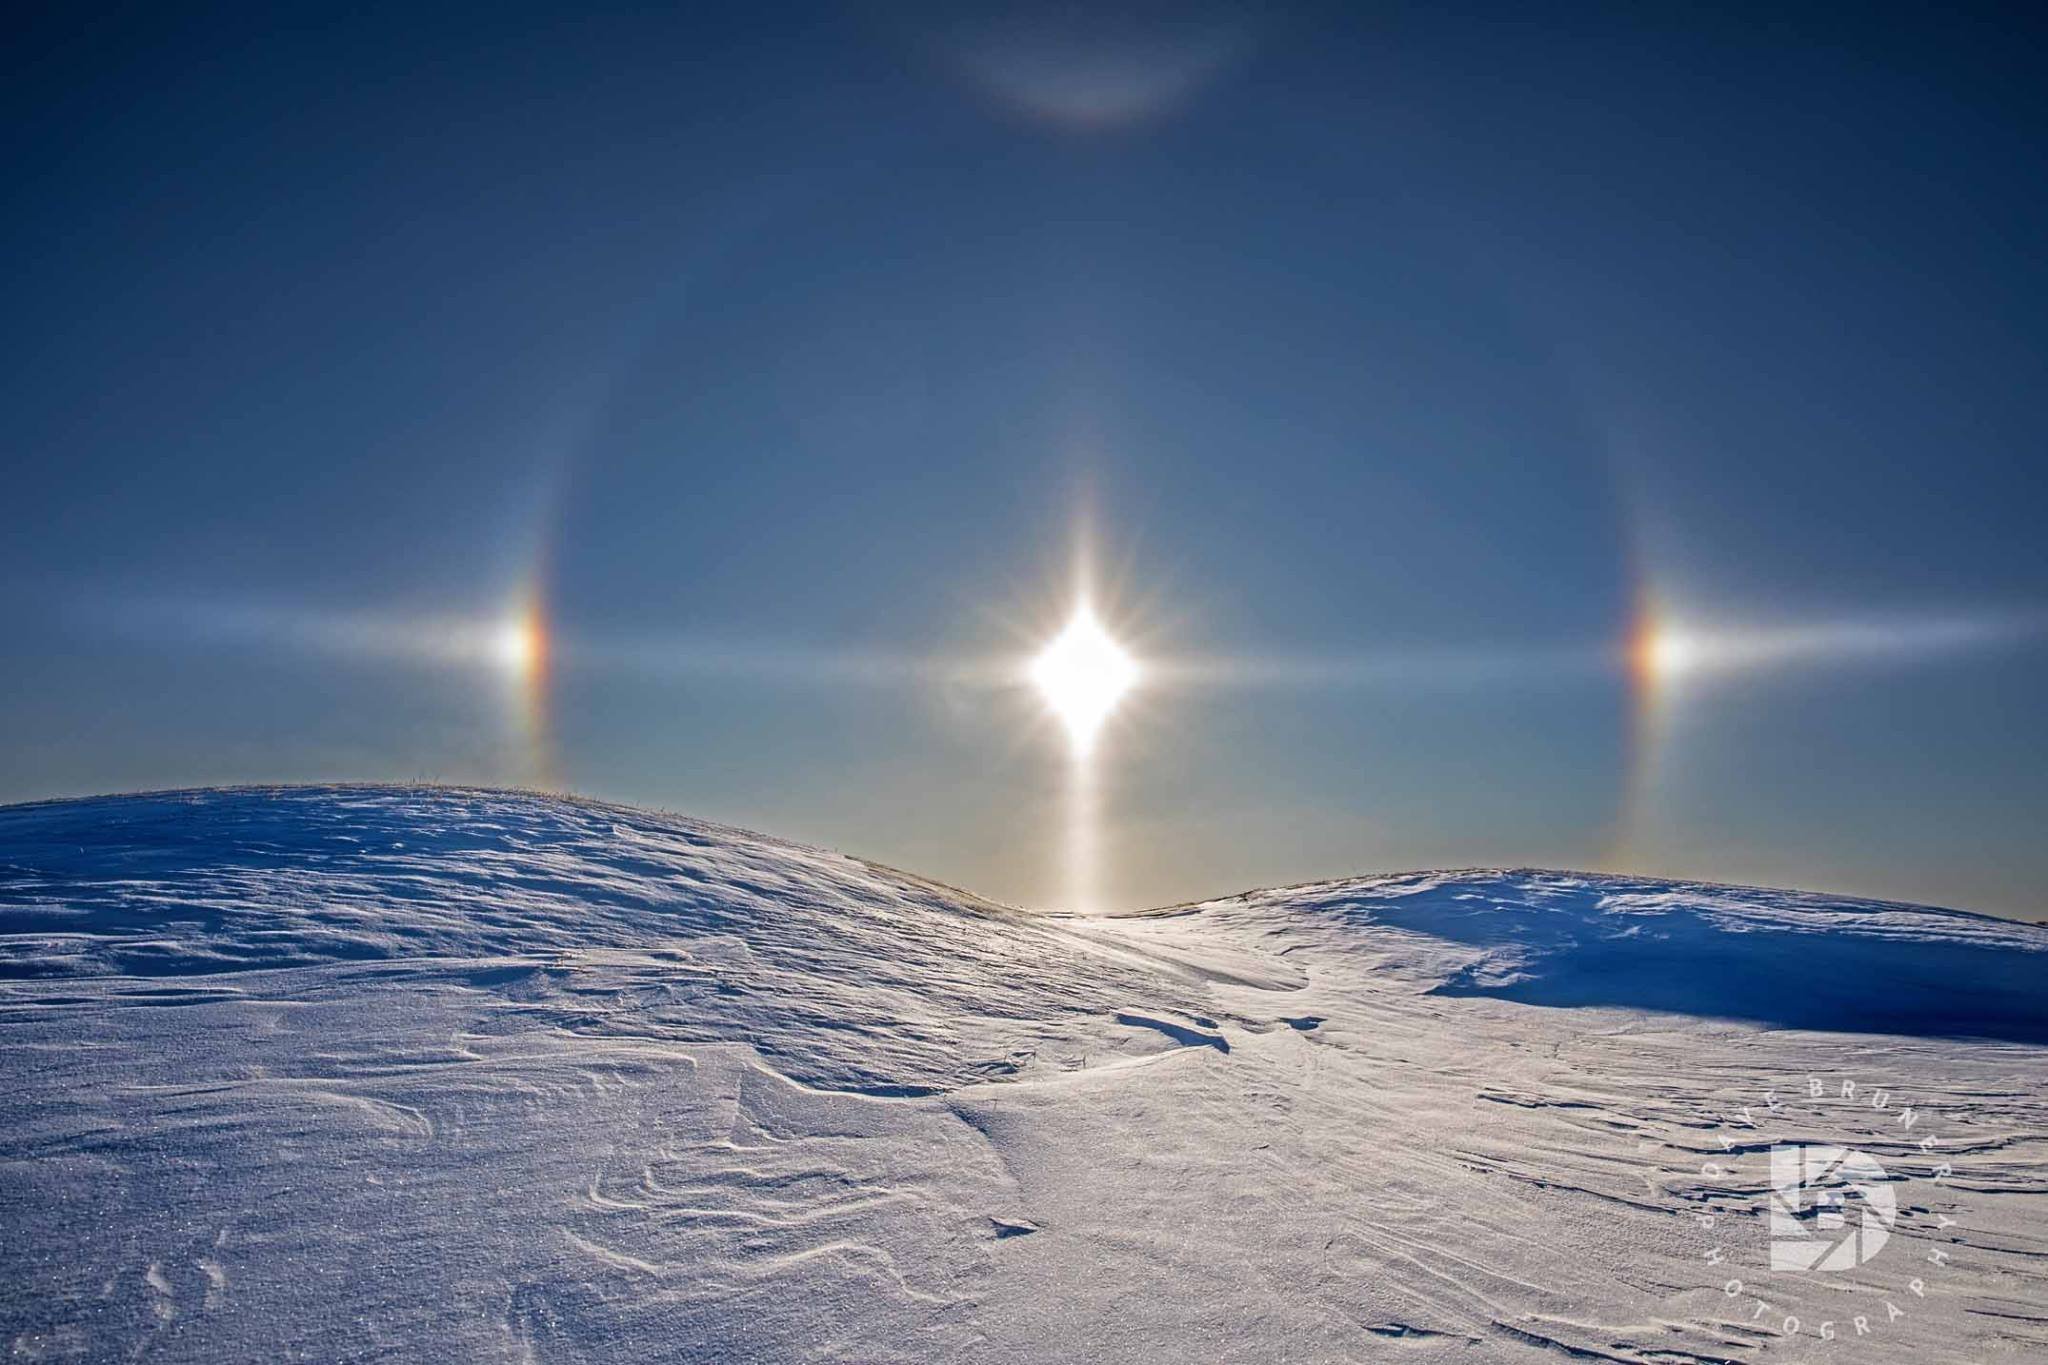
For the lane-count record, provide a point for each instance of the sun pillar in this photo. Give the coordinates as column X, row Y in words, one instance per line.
column 1082, row 675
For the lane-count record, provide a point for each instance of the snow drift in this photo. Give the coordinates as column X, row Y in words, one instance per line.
column 399, row 1073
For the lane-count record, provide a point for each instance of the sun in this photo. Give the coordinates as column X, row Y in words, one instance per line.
column 1083, row 673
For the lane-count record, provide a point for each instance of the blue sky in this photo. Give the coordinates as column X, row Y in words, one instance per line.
column 1398, row 361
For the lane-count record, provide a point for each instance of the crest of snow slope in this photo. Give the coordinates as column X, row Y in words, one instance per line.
column 423, row 1074
column 1784, row 958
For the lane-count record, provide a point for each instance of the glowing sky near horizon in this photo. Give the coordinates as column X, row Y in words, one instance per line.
column 1497, row 446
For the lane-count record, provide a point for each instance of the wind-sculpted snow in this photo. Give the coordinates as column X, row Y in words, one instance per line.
column 1785, row 958
column 420, row 1074
column 600, row 918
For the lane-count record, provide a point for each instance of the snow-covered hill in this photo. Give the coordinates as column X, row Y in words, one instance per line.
column 442, row 1075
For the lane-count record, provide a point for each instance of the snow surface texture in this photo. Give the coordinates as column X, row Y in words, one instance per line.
column 448, row 1076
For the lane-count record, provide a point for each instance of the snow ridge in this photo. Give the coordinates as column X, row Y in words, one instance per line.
column 421, row 1073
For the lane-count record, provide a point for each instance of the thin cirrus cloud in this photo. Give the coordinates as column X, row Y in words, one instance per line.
column 1664, row 648
column 1675, row 649
column 492, row 641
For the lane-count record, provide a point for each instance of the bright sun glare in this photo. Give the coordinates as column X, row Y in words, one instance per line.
column 1083, row 674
